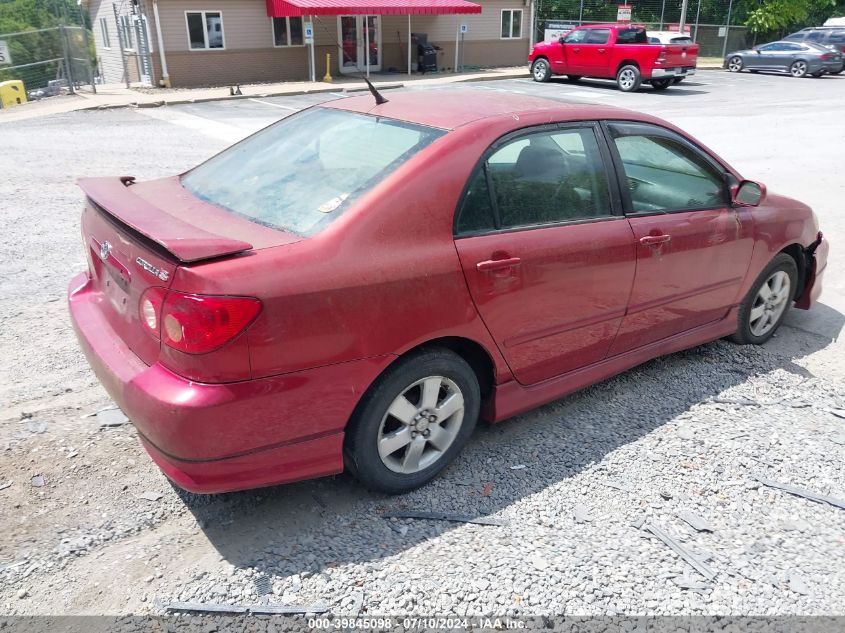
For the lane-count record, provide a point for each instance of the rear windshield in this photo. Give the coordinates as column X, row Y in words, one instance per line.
column 302, row 172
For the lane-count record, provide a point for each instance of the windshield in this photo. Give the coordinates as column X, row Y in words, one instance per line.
column 301, row 173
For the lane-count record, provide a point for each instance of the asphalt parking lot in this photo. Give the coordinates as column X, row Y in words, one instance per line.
column 90, row 526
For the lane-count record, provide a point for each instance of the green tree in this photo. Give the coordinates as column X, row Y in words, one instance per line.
column 778, row 15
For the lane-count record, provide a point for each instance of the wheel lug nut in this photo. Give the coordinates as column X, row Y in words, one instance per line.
column 426, row 433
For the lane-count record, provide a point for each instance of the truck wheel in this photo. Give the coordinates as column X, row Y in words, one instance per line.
column 661, row 84
column 540, row 70
column 628, row 78
column 573, row 78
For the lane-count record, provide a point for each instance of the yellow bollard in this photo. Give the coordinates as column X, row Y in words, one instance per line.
column 328, row 76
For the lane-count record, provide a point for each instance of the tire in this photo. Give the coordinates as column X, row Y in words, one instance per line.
column 573, row 78
column 798, row 69
column 750, row 329
column 540, row 70
column 661, row 84
column 754, row 71
column 628, row 78
column 678, row 80
column 735, row 64
column 415, row 459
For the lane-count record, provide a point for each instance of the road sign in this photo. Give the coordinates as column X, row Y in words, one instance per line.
column 5, row 56
column 464, row 28
column 309, row 33
column 623, row 13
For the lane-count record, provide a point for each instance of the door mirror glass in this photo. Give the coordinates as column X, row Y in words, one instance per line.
column 749, row 194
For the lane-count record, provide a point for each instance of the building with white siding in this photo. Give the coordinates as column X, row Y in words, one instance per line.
column 227, row 42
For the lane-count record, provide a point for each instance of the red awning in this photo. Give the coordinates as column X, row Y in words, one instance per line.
column 293, row 8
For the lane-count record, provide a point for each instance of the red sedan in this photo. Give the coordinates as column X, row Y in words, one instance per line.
column 358, row 284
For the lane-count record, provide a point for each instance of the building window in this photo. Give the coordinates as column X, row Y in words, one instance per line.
column 126, row 31
column 104, row 31
column 205, row 29
column 287, row 32
column 511, row 24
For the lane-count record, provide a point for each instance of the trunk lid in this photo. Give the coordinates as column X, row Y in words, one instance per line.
column 137, row 235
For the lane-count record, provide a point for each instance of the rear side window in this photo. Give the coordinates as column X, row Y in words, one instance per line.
column 634, row 36
column 836, row 37
column 303, row 172
column 795, row 37
column 541, row 178
column 815, row 36
column 597, row 36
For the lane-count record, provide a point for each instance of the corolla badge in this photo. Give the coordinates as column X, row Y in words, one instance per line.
column 105, row 250
column 161, row 274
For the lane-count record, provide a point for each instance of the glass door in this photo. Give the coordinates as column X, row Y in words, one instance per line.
column 353, row 42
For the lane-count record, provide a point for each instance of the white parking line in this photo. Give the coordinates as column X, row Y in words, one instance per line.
column 275, row 105
column 209, row 127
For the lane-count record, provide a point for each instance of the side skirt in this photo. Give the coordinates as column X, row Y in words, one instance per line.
column 511, row 398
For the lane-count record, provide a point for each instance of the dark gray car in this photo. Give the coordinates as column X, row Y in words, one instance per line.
column 832, row 37
column 796, row 58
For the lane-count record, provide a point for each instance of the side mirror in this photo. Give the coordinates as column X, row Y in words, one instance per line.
column 749, row 194
column 560, row 39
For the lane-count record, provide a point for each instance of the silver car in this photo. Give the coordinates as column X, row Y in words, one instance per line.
column 799, row 59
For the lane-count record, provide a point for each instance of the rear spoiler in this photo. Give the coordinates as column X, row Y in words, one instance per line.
column 186, row 242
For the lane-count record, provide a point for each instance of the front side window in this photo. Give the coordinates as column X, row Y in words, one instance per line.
column 205, row 29
column 664, row 173
column 511, row 24
column 287, row 32
column 303, row 172
column 575, row 37
column 597, row 36
column 540, row 178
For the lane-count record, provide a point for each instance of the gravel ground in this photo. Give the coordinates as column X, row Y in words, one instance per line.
column 90, row 526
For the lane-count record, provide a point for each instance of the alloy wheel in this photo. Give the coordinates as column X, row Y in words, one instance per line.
column 798, row 69
column 735, row 64
column 770, row 302
column 540, row 70
column 627, row 79
column 421, row 424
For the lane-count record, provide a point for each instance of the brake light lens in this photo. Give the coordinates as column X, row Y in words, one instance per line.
column 828, row 56
column 195, row 324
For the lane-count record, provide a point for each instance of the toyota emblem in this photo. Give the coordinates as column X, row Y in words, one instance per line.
column 105, row 250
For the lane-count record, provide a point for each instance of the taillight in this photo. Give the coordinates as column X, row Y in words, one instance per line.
column 827, row 56
column 197, row 324
column 149, row 309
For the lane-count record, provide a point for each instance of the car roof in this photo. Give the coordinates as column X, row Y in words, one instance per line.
column 453, row 108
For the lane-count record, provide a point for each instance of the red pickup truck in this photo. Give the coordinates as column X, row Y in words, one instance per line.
column 613, row 51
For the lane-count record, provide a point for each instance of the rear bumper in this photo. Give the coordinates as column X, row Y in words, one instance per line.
column 229, row 436
column 681, row 71
column 816, row 255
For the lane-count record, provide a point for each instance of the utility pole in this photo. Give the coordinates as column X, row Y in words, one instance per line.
column 683, row 16
column 727, row 29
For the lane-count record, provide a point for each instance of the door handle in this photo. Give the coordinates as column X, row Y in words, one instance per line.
column 576, row 49
column 498, row 264
column 653, row 240
column 601, row 50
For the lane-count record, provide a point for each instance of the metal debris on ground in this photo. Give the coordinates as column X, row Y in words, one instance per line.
column 801, row 492
column 686, row 582
column 257, row 609
column 3, row 486
column 681, row 551
column 150, row 496
column 38, row 481
column 699, row 524
column 666, row 496
column 444, row 516
column 263, row 585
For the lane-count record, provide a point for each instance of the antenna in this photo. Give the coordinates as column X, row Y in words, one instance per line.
column 376, row 93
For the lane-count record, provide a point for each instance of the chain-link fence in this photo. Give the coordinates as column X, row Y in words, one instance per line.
column 716, row 25
column 48, row 61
